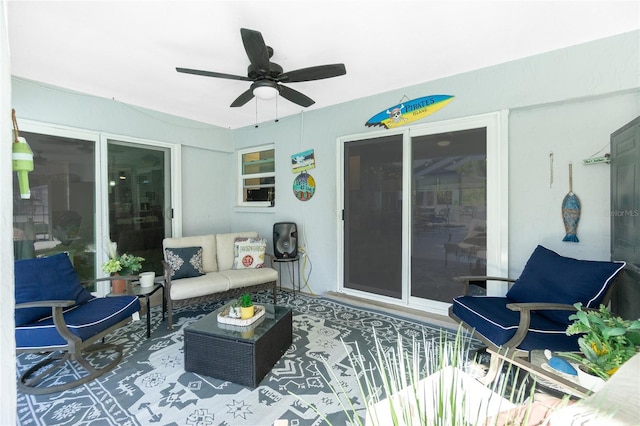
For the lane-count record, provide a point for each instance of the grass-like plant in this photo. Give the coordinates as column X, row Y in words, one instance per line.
column 451, row 397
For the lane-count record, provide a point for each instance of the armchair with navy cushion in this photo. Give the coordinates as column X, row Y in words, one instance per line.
column 535, row 312
column 60, row 321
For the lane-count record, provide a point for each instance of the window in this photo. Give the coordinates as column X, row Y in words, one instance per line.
column 257, row 176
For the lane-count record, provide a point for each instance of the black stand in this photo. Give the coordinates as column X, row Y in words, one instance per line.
column 295, row 261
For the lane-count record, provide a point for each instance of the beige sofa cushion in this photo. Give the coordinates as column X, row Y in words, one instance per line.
column 225, row 245
column 203, row 285
column 208, row 244
column 246, row 277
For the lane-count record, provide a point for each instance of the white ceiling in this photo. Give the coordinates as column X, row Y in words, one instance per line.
column 128, row 51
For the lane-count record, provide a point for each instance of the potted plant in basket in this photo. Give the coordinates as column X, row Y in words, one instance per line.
column 607, row 341
column 246, row 306
column 121, row 265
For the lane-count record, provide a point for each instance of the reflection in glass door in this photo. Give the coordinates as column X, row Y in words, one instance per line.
column 449, row 211
column 139, row 200
column 373, row 215
column 59, row 215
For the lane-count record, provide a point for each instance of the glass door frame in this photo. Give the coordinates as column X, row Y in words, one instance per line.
column 496, row 124
column 175, row 177
column 102, row 181
column 172, row 209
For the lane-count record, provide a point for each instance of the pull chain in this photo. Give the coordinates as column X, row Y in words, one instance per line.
column 550, row 170
column 256, row 126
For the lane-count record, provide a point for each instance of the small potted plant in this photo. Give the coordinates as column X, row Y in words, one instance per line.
column 124, row 264
column 246, row 306
column 607, row 341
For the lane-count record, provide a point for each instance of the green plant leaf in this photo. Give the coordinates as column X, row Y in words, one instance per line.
column 611, row 332
column 582, row 317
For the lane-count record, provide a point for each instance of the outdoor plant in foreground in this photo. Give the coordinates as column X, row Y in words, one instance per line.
column 607, row 341
column 393, row 371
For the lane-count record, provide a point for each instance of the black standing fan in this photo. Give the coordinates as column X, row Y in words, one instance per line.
column 285, row 240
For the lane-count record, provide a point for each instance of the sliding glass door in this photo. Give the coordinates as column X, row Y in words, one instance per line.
column 373, row 215
column 139, row 200
column 60, row 214
column 449, row 211
column 424, row 205
column 86, row 189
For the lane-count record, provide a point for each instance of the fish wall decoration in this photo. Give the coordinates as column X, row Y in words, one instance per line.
column 405, row 113
column 571, row 212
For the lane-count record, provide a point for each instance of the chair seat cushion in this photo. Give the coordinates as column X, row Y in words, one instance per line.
column 84, row 321
column 497, row 323
column 551, row 278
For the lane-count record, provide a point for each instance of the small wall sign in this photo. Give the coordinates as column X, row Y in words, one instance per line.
column 405, row 113
column 303, row 161
column 304, row 186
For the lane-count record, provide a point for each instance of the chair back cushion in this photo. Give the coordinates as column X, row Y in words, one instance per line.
column 46, row 278
column 551, row 278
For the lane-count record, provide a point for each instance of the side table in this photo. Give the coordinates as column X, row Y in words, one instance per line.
column 295, row 262
column 135, row 289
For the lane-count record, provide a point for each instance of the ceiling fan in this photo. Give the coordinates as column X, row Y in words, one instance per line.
column 267, row 76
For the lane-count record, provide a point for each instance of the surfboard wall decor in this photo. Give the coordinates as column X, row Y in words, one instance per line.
column 407, row 112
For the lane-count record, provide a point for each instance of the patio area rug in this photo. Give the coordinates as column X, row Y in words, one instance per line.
column 150, row 385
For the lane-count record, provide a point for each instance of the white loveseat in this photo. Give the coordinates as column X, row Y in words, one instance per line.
column 220, row 280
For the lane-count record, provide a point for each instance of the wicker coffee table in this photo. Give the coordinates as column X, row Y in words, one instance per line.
column 242, row 355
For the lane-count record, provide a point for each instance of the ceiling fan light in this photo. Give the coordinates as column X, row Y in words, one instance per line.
column 265, row 92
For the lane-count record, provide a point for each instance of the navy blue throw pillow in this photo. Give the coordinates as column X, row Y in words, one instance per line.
column 186, row 262
column 549, row 277
column 46, row 278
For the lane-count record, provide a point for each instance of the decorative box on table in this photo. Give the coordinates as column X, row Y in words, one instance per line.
column 223, row 317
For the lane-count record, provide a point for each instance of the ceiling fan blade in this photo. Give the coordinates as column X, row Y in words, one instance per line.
column 314, row 73
column 243, row 98
column 213, row 74
column 256, row 49
column 295, row 96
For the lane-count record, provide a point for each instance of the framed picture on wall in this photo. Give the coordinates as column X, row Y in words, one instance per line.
column 303, row 161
